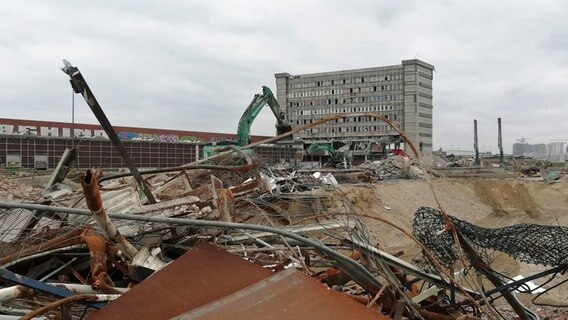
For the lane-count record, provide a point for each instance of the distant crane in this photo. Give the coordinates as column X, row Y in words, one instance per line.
column 523, row 140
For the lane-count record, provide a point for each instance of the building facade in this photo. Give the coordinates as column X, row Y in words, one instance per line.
column 402, row 93
column 23, row 151
column 23, row 142
column 83, row 130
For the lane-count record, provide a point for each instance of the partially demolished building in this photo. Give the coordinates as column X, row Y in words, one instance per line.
column 402, row 93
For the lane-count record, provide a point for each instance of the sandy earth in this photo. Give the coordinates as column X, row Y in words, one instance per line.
column 488, row 203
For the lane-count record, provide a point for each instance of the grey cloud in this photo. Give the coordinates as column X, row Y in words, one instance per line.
column 196, row 65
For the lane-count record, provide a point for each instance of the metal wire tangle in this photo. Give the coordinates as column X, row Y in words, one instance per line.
column 529, row 243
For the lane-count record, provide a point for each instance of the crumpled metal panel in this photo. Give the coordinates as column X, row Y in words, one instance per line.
column 124, row 199
column 200, row 276
column 117, row 197
column 286, row 295
column 11, row 224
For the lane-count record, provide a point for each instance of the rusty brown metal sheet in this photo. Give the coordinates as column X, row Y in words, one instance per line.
column 248, row 187
column 286, row 295
column 202, row 275
column 225, row 202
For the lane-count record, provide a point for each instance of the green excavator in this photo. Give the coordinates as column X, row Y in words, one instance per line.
column 243, row 131
column 338, row 158
column 258, row 102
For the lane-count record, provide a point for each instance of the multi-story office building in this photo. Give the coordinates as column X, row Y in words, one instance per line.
column 402, row 93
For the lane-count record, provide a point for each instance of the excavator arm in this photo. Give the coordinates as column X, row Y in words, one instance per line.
column 320, row 147
column 252, row 111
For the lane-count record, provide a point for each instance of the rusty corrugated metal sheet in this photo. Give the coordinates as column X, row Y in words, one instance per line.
column 286, row 295
column 116, row 197
column 202, row 275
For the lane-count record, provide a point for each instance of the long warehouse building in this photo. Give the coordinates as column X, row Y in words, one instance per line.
column 39, row 144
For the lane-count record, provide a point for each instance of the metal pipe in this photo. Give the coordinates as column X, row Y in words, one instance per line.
column 76, row 298
column 13, row 292
column 8, row 317
column 40, row 286
column 85, row 288
column 352, row 268
column 42, row 254
column 72, row 237
column 58, row 269
column 95, row 204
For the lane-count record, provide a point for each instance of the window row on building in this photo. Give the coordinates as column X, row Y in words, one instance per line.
column 339, row 91
column 327, row 102
column 310, row 120
column 346, row 110
column 350, row 129
column 310, row 82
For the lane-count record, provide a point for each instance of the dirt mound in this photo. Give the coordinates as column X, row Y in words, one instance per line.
column 488, row 203
column 503, row 197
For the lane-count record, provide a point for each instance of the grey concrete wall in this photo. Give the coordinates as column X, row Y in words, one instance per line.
column 418, row 105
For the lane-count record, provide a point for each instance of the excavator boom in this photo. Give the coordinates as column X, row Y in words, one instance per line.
column 252, row 111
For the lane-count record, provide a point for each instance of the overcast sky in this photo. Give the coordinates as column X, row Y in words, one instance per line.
column 195, row 65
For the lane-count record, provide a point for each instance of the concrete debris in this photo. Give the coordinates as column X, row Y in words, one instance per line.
column 394, row 167
column 10, row 190
column 299, row 249
column 328, row 179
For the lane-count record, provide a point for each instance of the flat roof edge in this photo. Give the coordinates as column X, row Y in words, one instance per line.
column 419, row 62
column 398, row 66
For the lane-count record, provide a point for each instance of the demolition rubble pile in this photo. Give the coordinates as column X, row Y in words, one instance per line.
column 394, row 167
column 227, row 238
column 10, row 190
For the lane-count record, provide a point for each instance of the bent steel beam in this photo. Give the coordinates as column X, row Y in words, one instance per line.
column 40, row 286
column 80, row 86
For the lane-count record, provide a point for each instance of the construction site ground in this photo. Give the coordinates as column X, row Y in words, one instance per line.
column 489, row 203
column 486, row 202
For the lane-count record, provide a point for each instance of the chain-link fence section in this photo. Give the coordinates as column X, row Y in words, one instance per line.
column 529, row 243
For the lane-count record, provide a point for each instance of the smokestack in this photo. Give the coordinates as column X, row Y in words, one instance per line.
column 475, row 143
column 500, row 142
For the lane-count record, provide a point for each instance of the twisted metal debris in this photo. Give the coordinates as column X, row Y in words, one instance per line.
column 530, row 243
column 275, row 219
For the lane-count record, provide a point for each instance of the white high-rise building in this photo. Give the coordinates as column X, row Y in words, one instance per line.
column 402, row 93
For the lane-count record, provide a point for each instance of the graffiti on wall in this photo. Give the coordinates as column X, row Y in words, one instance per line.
column 188, row 139
column 156, row 137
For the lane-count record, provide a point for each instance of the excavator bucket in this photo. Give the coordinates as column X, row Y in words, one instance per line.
column 280, row 129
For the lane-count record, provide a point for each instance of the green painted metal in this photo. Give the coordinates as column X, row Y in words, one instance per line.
column 258, row 102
